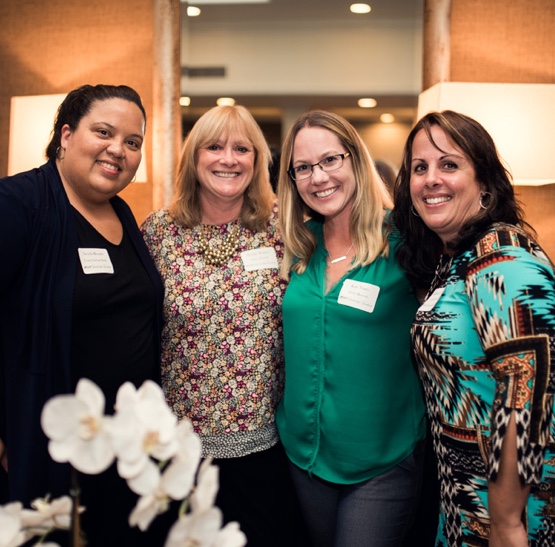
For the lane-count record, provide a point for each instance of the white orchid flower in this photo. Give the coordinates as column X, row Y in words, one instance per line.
column 203, row 529
column 157, row 489
column 47, row 515
column 143, row 427
column 10, row 525
column 76, row 427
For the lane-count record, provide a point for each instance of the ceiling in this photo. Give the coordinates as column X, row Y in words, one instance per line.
column 308, row 9
column 269, row 107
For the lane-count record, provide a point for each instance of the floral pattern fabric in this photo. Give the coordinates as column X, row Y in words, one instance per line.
column 485, row 340
column 222, row 352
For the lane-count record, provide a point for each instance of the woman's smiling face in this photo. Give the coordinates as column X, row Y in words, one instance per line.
column 101, row 155
column 331, row 193
column 443, row 185
column 225, row 168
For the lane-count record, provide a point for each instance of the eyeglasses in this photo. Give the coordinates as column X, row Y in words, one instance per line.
column 331, row 163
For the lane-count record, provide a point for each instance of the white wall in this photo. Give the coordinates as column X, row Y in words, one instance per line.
column 285, row 58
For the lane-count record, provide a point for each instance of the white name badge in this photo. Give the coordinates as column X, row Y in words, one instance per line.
column 355, row 294
column 432, row 300
column 259, row 259
column 95, row 261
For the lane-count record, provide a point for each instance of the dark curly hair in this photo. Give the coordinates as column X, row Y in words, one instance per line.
column 420, row 247
column 78, row 103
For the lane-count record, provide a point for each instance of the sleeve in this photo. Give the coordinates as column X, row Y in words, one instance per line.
column 151, row 229
column 512, row 298
column 15, row 232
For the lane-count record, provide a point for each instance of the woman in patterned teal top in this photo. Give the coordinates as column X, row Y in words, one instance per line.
column 352, row 416
column 484, row 336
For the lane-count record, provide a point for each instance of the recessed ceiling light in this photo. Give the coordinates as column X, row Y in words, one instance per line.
column 367, row 103
column 360, row 8
column 193, row 11
column 225, row 101
column 184, row 101
column 386, row 117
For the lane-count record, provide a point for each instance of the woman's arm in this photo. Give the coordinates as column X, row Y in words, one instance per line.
column 507, row 497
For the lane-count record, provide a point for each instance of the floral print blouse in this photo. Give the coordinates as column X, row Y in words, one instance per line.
column 222, row 351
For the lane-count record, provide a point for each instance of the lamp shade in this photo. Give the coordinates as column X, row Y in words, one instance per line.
column 519, row 117
column 31, row 122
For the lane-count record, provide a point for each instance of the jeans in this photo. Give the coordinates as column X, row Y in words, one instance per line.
column 373, row 513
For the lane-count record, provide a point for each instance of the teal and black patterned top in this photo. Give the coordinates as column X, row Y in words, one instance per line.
column 485, row 340
column 353, row 406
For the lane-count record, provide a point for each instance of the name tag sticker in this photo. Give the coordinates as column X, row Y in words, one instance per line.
column 432, row 300
column 259, row 259
column 95, row 261
column 355, row 294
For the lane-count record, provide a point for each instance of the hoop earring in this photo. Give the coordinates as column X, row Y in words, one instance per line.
column 413, row 211
column 482, row 206
column 133, row 179
column 58, row 153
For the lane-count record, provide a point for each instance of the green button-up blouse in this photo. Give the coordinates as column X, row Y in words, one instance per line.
column 353, row 406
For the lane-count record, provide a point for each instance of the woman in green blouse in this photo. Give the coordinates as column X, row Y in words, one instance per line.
column 352, row 417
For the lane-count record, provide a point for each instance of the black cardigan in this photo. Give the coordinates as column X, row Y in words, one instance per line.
column 38, row 242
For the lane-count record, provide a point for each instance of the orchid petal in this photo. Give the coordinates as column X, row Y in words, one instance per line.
column 230, row 536
column 144, row 512
column 60, row 416
column 88, row 392
column 178, row 479
column 147, row 481
column 93, row 457
column 204, row 495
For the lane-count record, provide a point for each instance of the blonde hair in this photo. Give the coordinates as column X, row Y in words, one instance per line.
column 259, row 197
column 370, row 201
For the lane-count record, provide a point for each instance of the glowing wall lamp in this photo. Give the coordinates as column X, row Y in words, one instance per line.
column 519, row 117
column 31, row 121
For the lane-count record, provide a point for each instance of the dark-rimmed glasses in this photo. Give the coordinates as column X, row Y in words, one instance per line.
column 331, row 163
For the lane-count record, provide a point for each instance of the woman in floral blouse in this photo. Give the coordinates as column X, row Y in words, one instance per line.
column 218, row 251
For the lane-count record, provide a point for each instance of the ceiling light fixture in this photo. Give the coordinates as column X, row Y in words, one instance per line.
column 367, row 102
column 360, row 8
column 386, row 117
column 225, row 101
column 193, row 11
column 184, row 101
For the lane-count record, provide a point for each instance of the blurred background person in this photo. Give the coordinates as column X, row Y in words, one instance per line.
column 387, row 173
column 352, row 417
column 218, row 250
column 484, row 335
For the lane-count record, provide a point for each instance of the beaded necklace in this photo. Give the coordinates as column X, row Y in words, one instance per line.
column 216, row 256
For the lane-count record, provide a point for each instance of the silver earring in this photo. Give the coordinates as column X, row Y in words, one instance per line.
column 482, row 206
column 413, row 211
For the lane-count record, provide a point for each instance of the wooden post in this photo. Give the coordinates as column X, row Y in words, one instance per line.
column 166, row 91
column 437, row 42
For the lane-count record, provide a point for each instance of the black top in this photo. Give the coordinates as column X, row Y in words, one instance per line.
column 113, row 339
